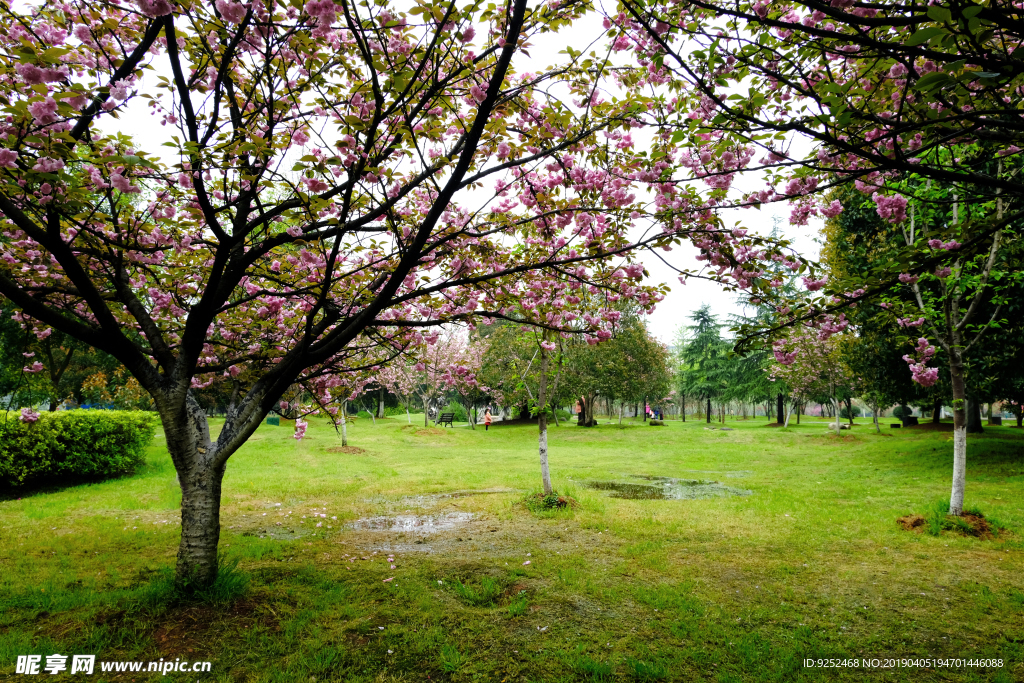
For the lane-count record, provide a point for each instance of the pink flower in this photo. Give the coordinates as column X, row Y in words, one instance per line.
column 233, row 12
column 478, row 92
column 315, row 185
column 468, row 34
column 893, row 209
column 119, row 90
column 28, row 416
column 7, row 158
column 35, row 367
column 814, row 285
column 943, row 272
column 122, row 184
column 44, row 111
column 325, row 11
column 908, row 279
column 155, row 8
column 504, row 150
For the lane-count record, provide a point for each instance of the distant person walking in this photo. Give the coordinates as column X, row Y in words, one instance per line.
column 487, row 418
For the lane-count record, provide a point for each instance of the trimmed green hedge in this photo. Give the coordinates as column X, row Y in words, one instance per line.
column 73, row 444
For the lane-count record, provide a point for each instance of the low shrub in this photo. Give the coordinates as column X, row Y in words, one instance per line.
column 457, row 409
column 900, row 412
column 73, row 445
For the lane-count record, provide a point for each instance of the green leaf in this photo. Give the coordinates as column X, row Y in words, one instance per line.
column 932, row 80
column 923, row 36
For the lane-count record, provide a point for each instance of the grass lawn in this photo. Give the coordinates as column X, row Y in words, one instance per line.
column 810, row 564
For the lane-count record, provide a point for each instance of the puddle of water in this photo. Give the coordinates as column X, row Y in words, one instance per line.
column 431, row 499
column 418, row 524
column 667, row 489
column 729, row 474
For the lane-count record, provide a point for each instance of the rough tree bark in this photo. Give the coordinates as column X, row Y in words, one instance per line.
column 709, row 411
column 779, row 408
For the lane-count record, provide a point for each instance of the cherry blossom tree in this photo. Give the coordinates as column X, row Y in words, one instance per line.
column 888, row 97
column 335, row 180
column 810, row 362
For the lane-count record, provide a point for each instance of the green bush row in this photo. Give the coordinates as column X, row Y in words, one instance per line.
column 73, row 445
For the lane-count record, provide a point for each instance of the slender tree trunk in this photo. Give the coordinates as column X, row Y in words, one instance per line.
column 620, row 413
column 542, row 420
column 408, row 417
column 344, row 423
column 380, row 409
column 778, row 408
column 937, row 410
column 469, row 415
column 682, row 410
column 956, row 374
column 849, row 410
column 799, row 409
column 426, row 413
column 874, row 415
column 709, row 411
column 835, row 404
column 789, row 411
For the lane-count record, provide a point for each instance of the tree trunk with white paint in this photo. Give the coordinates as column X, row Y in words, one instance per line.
column 542, row 420
column 956, row 374
column 344, row 423
column 835, row 404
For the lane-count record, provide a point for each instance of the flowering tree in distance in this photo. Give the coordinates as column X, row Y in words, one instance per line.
column 810, row 362
column 339, row 179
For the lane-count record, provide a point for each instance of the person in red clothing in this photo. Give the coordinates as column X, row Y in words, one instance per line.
column 487, row 418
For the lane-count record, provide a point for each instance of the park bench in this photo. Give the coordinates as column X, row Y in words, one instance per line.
column 445, row 419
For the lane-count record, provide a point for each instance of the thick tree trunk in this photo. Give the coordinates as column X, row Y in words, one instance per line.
column 835, row 404
column 778, row 408
column 937, row 410
column 1020, row 417
column 956, row 497
column 709, row 411
column 188, row 441
column 974, row 417
column 849, row 410
column 874, row 415
column 542, row 420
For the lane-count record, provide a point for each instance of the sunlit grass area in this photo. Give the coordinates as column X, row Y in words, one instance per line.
column 808, row 563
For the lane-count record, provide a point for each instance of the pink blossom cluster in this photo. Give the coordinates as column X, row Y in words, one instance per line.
column 919, row 370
